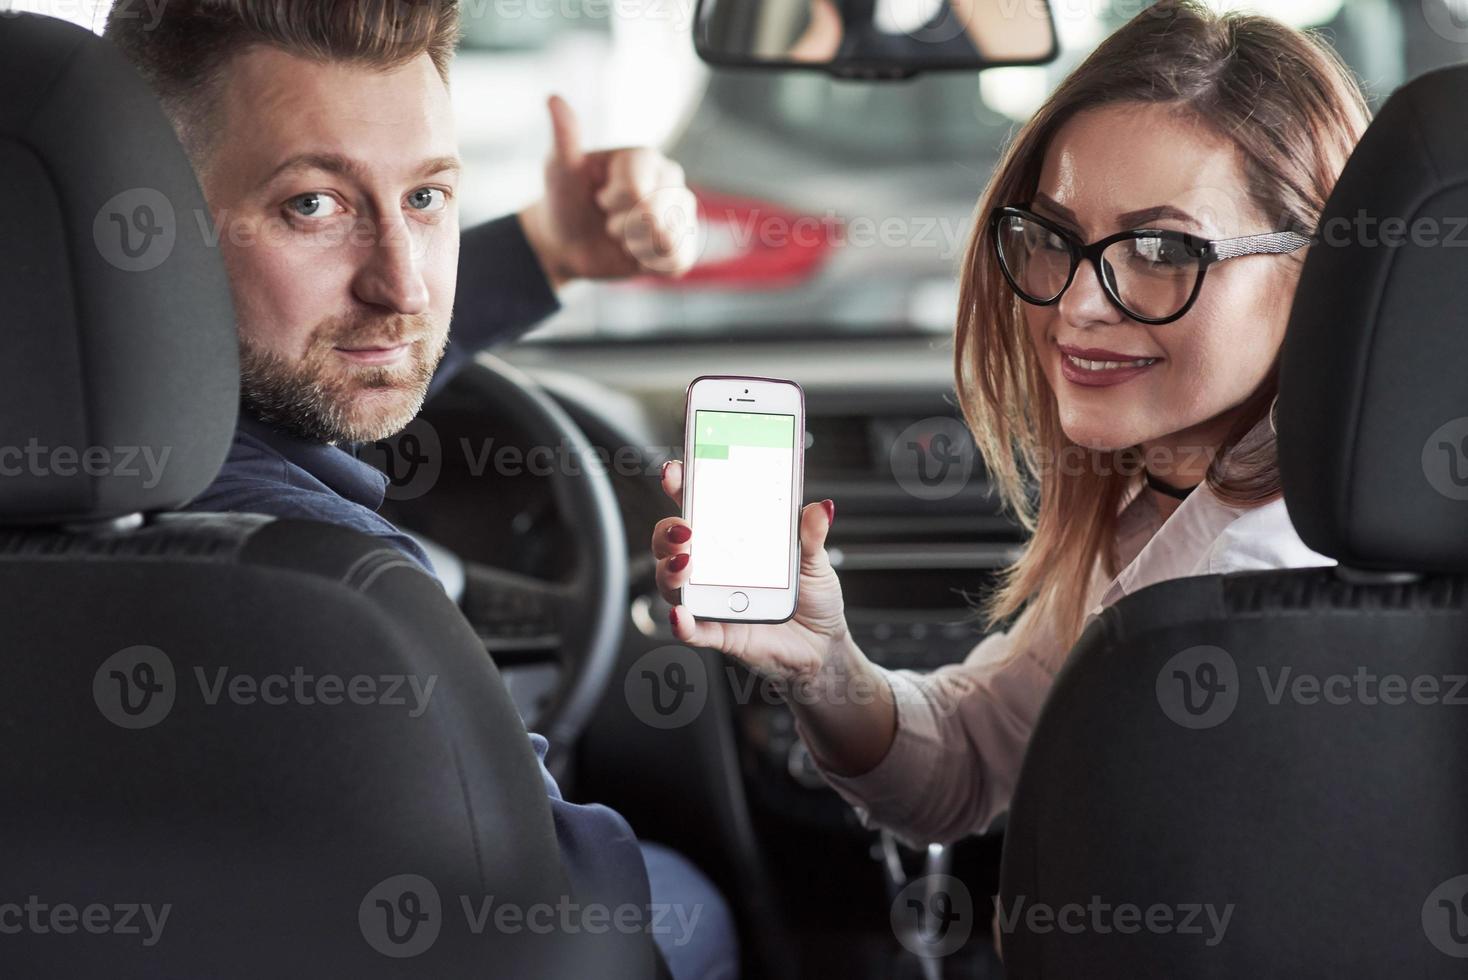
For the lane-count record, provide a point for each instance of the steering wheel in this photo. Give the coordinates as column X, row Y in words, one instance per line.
column 575, row 623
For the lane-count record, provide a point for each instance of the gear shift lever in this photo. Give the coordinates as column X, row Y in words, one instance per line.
column 912, row 918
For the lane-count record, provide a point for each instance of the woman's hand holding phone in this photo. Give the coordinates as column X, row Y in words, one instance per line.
column 786, row 652
column 848, row 735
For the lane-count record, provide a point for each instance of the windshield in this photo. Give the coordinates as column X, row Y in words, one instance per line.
column 825, row 206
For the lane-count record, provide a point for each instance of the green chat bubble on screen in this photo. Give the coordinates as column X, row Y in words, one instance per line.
column 715, row 432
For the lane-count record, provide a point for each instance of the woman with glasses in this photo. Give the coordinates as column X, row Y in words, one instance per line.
column 1122, row 305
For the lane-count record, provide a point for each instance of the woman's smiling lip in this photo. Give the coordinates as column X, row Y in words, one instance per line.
column 1095, row 367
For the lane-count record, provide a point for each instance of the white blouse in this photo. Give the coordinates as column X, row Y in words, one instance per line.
column 962, row 730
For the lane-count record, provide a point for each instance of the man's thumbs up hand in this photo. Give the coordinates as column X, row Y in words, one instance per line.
column 609, row 214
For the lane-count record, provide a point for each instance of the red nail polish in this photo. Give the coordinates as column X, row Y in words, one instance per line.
column 829, row 506
column 663, row 475
column 679, row 533
column 678, row 562
column 673, row 617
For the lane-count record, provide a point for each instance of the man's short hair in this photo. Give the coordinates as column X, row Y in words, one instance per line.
column 182, row 48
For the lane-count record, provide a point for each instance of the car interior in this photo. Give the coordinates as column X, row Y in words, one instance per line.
column 1324, row 829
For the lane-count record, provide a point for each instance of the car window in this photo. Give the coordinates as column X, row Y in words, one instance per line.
column 828, row 206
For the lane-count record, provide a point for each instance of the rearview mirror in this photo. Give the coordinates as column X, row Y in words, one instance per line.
column 875, row 38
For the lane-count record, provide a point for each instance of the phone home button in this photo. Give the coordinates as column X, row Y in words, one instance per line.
column 738, row 601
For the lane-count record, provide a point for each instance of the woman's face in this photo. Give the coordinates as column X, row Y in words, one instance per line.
column 1131, row 166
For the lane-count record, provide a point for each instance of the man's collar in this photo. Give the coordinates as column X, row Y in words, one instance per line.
column 337, row 468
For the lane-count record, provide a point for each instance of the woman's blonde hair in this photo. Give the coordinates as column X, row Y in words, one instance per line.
column 1295, row 112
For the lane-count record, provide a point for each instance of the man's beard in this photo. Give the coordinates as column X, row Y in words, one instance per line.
column 323, row 397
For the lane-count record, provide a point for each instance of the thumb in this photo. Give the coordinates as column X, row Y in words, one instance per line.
column 815, row 524
column 566, row 130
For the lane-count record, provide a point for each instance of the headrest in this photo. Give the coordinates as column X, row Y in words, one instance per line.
column 1373, row 404
column 119, row 381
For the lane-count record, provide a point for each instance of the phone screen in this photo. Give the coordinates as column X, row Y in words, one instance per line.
column 743, row 478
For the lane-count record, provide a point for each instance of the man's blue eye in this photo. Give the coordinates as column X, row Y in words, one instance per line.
column 427, row 199
column 312, row 205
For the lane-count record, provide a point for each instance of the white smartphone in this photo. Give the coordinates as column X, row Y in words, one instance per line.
column 744, row 466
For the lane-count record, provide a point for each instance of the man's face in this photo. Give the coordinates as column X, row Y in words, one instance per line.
column 334, row 188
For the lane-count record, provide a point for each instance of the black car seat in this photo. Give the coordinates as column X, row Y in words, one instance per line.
column 219, row 752
column 1290, row 748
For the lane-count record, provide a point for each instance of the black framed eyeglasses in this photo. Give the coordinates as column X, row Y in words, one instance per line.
column 1153, row 276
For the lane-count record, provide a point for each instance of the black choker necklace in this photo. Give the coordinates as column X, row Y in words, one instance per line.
column 1171, row 491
